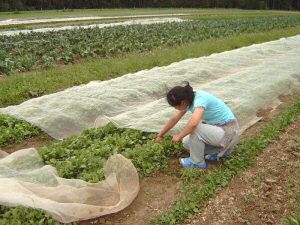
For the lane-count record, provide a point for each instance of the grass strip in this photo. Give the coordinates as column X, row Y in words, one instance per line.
column 21, row 87
column 292, row 220
column 244, row 156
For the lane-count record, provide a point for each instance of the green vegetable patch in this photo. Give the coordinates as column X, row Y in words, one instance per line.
column 14, row 131
column 84, row 156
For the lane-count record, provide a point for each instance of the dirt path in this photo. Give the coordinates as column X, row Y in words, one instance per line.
column 265, row 192
column 34, row 142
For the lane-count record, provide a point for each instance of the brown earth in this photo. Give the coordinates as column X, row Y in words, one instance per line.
column 34, row 142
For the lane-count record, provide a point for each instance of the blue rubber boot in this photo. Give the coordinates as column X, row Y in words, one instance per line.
column 187, row 163
column 214, row 157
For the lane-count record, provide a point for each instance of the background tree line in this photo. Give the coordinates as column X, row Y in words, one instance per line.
column 13, row 5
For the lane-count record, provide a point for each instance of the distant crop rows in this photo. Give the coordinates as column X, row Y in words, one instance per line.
column 28, row 51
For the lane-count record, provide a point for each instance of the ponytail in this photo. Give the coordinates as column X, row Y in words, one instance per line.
column 179, row 93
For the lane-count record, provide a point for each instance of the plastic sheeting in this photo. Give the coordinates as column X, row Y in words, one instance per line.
column 245, row 78
column 101, row 25
column 26, row 181
column 68, row 19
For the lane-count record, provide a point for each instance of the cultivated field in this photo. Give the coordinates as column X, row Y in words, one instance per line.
column 39, row 64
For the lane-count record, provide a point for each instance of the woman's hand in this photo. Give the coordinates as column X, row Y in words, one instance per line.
column 176, row 138
column 159, row 138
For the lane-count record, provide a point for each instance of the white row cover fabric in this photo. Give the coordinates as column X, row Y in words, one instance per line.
column 82, row 18
column 26, row 181
column 247, row 79
column 100, row 25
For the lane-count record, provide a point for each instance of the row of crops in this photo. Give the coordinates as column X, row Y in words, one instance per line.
column 14, row 131
column 84, row 157
column 28, row 51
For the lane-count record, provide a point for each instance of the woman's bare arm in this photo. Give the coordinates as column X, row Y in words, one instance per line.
column 193, row 123
column 171, row 123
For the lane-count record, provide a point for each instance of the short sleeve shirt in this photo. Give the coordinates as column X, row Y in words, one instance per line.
column 215, row 110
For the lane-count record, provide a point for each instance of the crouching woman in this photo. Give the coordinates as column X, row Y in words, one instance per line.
column 212, row 131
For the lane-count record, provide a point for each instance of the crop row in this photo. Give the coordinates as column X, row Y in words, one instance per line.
column 84, row 156
column 13, row 131
column 27, row 51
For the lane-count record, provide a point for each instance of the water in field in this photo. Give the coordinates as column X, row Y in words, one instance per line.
column 101, row 25
column 245, row 78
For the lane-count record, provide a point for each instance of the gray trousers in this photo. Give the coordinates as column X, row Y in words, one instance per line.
column 205, row 139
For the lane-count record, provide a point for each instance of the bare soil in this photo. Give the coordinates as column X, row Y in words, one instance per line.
column 34, row 142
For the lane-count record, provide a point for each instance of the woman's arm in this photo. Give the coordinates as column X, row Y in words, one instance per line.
column 171, row 123
column 191, row 125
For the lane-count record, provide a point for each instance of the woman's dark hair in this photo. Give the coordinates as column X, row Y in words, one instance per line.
column 179, row 93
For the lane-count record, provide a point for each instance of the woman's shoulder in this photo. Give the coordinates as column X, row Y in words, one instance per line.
column 202, row 94
column 205, row 96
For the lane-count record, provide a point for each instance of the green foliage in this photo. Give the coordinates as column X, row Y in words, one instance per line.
column 26, row 51
column 191, row 174
column 24, row 216
column 14, row 131
column 291, row 220
column 84, row 156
